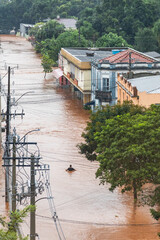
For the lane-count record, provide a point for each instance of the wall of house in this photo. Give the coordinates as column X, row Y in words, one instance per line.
column 97, row 83
column 66, row 66
column 122, row 95
column 85, row 80
column 22, row 30
column 146, row 99
column 100, row 73
column 81, row 77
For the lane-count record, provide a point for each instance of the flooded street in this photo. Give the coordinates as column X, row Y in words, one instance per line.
column 87, row 210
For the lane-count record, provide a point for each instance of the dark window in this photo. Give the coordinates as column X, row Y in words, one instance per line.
column 105, row 84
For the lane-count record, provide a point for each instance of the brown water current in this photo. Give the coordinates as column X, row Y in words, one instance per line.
column 87, row 210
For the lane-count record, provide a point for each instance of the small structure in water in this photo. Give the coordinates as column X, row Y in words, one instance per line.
column 13, row 32
column 70, row 169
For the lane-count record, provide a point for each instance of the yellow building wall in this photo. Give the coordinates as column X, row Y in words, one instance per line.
column 122, row 95
column 82, row 70
column 75, row 61
column 146, row 99
column 87, row 80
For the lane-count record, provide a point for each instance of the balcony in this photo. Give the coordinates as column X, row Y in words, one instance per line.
column 103, row 96
column 72, row 78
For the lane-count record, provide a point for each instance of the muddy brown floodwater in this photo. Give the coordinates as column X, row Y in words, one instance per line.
column 87, row 210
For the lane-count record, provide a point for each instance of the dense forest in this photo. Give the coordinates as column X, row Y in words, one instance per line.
column 101, row 23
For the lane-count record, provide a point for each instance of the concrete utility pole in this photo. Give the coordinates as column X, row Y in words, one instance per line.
column 8, row 107
column 14, row 176
column 32, row 202
column 0, row 115
column 7, row 137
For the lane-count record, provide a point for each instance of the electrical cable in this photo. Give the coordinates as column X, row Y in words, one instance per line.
column 101, row 224
column 52, row 206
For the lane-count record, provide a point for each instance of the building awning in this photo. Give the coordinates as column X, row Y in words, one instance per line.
column 57, row 73
column 90, row 103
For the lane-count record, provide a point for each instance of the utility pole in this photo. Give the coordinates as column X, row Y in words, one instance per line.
column 14, row 176
column 130, row 66
column 32, row 202
column 0, row 115
column 8, row 107
column 7, row 137
column 130, row 61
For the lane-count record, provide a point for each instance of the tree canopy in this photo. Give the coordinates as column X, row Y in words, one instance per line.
column 51, row 29
column 9, row 228
column 47, row 64
column 69, row 38
column 123, row 145
column 111, row 40
column 145, row 40
column 95, row 17
column 97, row 120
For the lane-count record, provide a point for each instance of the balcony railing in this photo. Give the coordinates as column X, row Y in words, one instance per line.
column 103, row 96
column 72, row 78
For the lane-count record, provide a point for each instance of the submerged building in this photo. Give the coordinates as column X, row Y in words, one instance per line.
column 92, row 72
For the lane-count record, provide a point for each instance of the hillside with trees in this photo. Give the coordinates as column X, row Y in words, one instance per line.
column 136, row 21
column 100, row 23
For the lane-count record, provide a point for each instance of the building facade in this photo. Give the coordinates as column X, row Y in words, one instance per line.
column 105, row 72
column 76, row 73
column 76, row 66
column 92, row 72
column 24, row 29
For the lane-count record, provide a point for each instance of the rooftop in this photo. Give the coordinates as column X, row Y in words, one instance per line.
column 67, row 22
column 128, row 56
column 27, row 25
column 89, row 54
column 153, row 54
column 149, row 84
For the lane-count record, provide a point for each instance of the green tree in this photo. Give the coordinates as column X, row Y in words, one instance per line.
column 128, row 150
column 156, row 30
column 69, row 38
column 34, row 30
column 88, row 31
column 48, row 30
column 47, row 64
column 154, row 200
column 97, row 120
column 9, row 230
column 111, row 40
column 145, row 40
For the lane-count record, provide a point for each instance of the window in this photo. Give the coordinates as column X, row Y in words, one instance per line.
column 105, row 86
column 72, row 71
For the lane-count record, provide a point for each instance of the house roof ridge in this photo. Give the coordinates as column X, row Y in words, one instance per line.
column 120, row 57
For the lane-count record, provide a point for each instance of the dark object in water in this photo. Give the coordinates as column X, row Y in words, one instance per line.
column 70, row 169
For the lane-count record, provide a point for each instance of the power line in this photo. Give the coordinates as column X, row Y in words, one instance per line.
column 23, row 157
column 101, row 224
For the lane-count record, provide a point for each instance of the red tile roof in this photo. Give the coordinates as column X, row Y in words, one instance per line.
column 123, row 57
